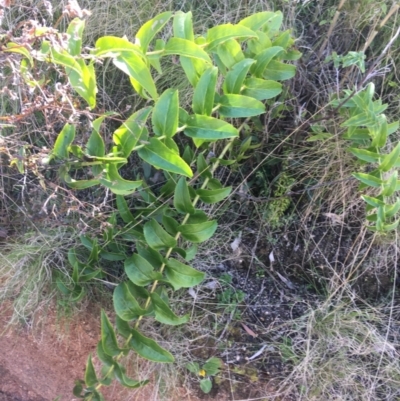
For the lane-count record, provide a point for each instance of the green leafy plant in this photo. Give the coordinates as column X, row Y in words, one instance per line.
column 233, row 69
column 210, row 368
column 368, row 131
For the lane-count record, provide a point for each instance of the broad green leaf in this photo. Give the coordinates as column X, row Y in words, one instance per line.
column 235, row 77
column 212, row 366
column 63, row 141
column 112, row 46
column 125, row 304
column 170, row 224
column 186, row 48
column 153, row 257
column 273, row 24
column 221, row 33
column 283, row 39
column 75, row 31
column 261, row 89
column 126, row 381
column 150, row 29
column 140, row 271
column 258, row 45
column 392, row 127
column 116, row 183
column 165, row 115
column 199, row 216
column 149, row 349
column 95, row 145
column 123, row 327
column 214, row 195
column 237, row 106
column 230, row 53
column 128, row 135
column 77, row 390
column 390, row 227
column 156, row 237
column 381, row 134
column 257, row 20
column 105, row 358
column 203, row 97
column 133, row 65
column 163, row 312
column 193, row 68
column 278, row 71
column 374, row 202
column 368, row 179
column 366, row 155
column 203, row 169
column 206, row 385
column 154, row 58
column 78, row 293
column 182, row 201
column 90, row 373
column 181, row 275
column 183, row 26
column 193, row 367
column 198, row 232
column 392, row 210
column 123, row 210
column 20, row 49
column 390, row 160
column 160, row 156
column 191, row 252
column 108, row 337
column 209, row 128
column 389, row 186
column 264, row 59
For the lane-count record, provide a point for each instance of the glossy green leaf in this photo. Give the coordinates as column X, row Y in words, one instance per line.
column 369, row 179
column 230, row 53
column 163, row 312
column 140, row 271
column 221, row 33
column 237, row 106
column 165, row 115
column 258, row 20
column 206, row 385
column 184, row 47
column 123, row 327
column 116, row 183
column 160, row 156
column 125, row 304
column 366, row 155
column 278, row 71
column 123, row 210
column 261, row 89
column 264, row 59
column 149, row 349
column 213, row 196
column 108, row 337
column 203, row 97
column 106, row 359
column 148, row 31
column 128, row 135
column 198, row 232
column 209, row 128
column 390, row 160
column 63, row 141
column 182, row 201
column 90, row 373
column 183, row 26
column 235, row 77
column 156, row 237
column 133, row 65
column 374, row 202
column 181, row 275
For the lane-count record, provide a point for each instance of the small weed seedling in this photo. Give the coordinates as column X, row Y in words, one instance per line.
column 210, row 368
